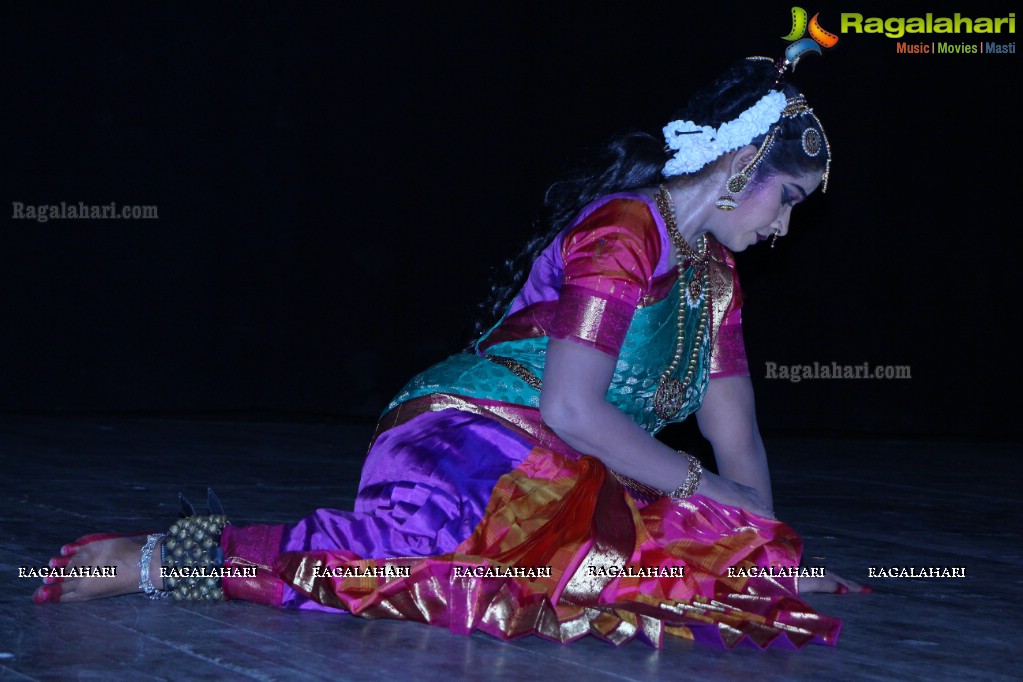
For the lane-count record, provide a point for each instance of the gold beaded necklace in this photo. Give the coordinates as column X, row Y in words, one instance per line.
column 671, row 393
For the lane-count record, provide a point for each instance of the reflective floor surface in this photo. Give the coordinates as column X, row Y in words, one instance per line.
column 858, row 503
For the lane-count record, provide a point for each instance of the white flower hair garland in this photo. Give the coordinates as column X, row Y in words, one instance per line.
column 696, row 146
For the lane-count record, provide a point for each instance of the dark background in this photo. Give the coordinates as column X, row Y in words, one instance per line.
column 335, row 184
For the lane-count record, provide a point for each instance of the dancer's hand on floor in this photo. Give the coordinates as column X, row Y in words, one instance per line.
column 727, row 491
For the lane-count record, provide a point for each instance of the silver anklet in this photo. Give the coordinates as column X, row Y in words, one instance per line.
column 145, row 563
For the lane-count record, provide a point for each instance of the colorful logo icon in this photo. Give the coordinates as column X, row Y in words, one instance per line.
column 800, row 45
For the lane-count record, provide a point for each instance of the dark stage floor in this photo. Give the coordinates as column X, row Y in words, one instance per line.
column 859, row 503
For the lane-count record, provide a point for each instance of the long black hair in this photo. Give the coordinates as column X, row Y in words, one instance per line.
column 634, row 160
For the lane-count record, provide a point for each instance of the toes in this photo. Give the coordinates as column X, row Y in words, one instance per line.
column 47, row 594
column 58, row 562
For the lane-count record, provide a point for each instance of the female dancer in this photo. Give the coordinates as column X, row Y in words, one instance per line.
column 518, row 488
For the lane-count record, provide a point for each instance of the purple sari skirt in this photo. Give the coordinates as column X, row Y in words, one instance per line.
column 424, row 488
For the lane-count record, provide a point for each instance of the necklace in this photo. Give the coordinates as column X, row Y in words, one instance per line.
column 671, row 393
column 684, row 254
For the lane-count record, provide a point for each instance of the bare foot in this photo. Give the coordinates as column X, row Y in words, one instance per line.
column 121, row 554
column 832, row 583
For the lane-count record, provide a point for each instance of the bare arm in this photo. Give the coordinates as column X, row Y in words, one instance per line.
column 573, row 404
column 728, row 420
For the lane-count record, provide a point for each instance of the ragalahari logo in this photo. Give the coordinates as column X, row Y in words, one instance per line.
column 801, row 45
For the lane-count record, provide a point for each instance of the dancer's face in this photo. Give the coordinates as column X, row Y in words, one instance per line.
column 764, row 209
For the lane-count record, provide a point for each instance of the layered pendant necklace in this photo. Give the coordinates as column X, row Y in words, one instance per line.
column 670, row 397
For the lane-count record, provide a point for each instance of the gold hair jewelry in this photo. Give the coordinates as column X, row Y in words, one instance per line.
column 812, row 140
column 738, row 181
column 734, row 185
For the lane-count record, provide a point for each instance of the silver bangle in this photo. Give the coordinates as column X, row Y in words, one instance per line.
column 692, row 481
column 145, row 563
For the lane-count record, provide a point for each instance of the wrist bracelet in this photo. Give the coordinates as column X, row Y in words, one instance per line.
column 649, row 493
column 692, row 481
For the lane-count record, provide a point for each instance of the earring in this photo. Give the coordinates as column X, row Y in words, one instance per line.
column 735, row 184
column 774, row 238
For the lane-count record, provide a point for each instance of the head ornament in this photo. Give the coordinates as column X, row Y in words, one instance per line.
column 695, row 145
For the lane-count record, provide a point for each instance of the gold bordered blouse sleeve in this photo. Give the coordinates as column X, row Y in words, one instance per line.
column 609, row 262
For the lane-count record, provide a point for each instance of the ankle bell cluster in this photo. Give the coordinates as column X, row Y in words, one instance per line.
column 192, row 558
